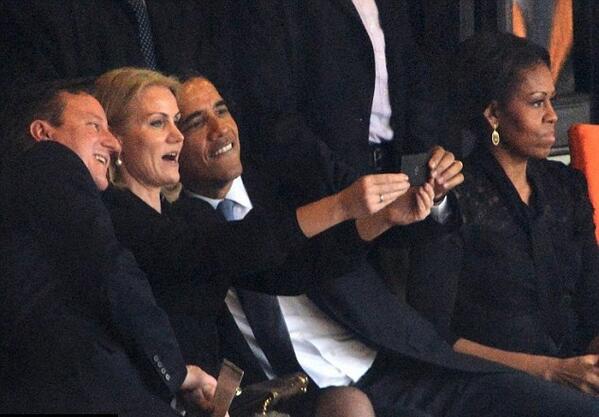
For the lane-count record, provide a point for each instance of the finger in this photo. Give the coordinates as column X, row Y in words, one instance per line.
column 389, row 198
column 387, row 178
column 436, row 155
column 445, row 162
column 452, row 183
column 451, row 171
column 390, row 188
column 428, row 189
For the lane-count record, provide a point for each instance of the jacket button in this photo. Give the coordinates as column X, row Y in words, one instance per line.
column 159, row 364
column 163, row 370
column 167, row 377
column 156, row 358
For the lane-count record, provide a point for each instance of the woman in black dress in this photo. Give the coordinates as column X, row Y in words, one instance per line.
column 191, row 266
column 525, row 291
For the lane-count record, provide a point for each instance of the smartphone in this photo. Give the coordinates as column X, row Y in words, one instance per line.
column 415, row 166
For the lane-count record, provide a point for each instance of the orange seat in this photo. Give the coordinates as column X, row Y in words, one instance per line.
column 584, row 152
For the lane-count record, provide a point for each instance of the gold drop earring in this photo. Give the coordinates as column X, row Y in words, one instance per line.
column 495, row 135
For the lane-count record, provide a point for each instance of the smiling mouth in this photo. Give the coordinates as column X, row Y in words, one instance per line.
column 102, row 159
column 171, row 156
column 221, row 151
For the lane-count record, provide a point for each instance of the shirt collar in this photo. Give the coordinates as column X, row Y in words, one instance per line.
column 237, row 193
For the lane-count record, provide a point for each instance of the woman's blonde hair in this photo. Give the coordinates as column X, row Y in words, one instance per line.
column 118, row 88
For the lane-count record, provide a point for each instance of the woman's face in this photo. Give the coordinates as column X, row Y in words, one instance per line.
column 527, row 120
column 151, row 142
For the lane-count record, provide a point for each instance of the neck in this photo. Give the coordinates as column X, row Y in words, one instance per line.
column 215, row 191
column 515, row 169
column 148, row 194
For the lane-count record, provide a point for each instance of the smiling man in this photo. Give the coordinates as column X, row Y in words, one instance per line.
column 372, row 341
column 80, row 330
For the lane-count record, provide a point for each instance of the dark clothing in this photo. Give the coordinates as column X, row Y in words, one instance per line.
column 526, row 277
column 192, row 256
column 313, row 84
column 56, row 39
column 80, row 330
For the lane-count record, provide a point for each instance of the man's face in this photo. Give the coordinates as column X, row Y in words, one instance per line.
column 84, row 130
column 210, row 158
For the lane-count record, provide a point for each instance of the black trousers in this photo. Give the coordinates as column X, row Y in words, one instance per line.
column 407, row 388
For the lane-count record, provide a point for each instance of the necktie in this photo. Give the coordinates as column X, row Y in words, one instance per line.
column 265, row 318
column 144, row 32
column 225, row 208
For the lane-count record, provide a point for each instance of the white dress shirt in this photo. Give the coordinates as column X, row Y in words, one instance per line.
column 380, row 116
column 326, row 351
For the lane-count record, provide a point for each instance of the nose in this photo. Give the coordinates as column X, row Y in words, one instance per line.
column 216, row 127
column 175, row 135
column 550, row 115
column 110, row 142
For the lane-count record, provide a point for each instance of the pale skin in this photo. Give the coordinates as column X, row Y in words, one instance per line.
column 528, row 121
column 84, row 129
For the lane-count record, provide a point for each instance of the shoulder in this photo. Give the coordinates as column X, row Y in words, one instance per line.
column 560, row 177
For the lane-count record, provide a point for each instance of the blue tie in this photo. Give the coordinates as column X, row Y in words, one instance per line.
column 225, row 208
column 265, row 318
column 144, row 31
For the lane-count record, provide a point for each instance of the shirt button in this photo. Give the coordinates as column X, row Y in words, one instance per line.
column 163, row 370
column 159, row 364
column 156, row 358
column 167, row 377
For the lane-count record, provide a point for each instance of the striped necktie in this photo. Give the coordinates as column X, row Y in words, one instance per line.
column 144, row 31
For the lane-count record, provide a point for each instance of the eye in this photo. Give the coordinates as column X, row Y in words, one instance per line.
column 538, row 103
column 223, row 110
column 95, row 125
column 158, row 123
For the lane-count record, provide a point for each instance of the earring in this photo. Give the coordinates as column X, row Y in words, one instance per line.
column 118, row 161
column 495, row 135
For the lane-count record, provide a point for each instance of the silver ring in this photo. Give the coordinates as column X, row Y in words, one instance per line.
column 381, row 198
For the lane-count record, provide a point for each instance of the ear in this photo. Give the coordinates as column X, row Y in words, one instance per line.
column 490, row 114
column 40, row 130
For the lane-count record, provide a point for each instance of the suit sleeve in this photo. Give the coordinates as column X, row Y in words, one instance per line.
column 66, row 204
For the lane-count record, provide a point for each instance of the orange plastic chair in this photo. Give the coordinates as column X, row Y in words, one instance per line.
column 584, row 153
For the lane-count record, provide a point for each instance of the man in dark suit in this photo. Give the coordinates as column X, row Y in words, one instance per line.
column 80, row 330
column 377, row 343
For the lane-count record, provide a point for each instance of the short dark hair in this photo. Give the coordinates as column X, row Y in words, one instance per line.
column 34, row 101
column 487, row 67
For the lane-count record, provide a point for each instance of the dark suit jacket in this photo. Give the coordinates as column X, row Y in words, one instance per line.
column 80, row 329
column 55, row 39
column 192, row 256
column 357, row 297
column 312, row 88
column 523, row 278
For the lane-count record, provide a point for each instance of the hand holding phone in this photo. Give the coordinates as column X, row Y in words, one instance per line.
column 415, row 166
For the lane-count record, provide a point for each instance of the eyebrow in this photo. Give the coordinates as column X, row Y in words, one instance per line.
column 219, row 103
column 193, row 115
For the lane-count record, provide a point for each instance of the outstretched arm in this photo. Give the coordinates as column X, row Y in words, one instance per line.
column 364, row 197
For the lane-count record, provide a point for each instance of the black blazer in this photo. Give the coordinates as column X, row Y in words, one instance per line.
column 80, row 329
column 192, row 256
column 522, row 278
column 355, row 295
column 313, row 84
column 55, row 39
